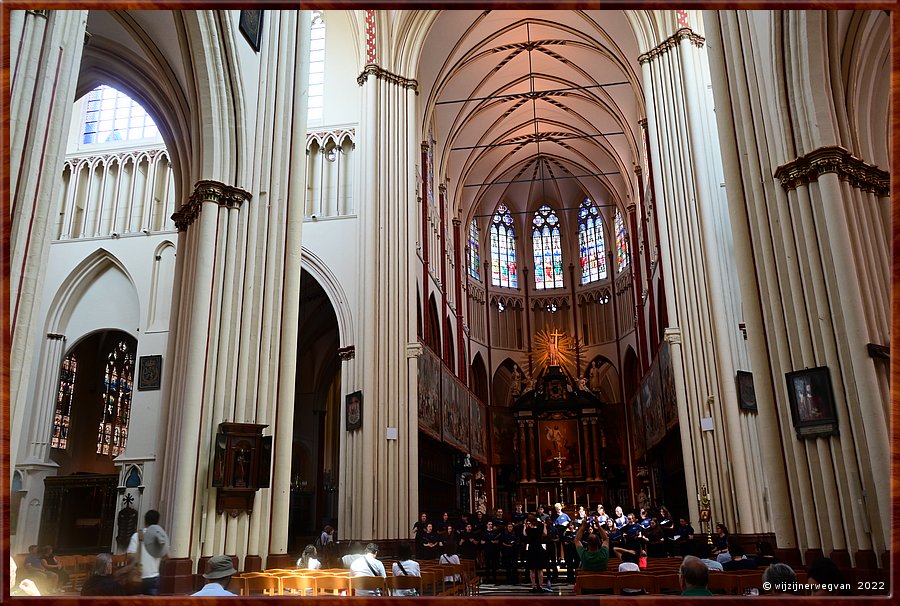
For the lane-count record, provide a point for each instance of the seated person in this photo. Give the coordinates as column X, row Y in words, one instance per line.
column 102, row 581
column 629, row 563
column 596, row 556
column 739, row 560
column 720, row 544
column 25, row 586
column 46, row 580
column 368, row 566
column 219, row 570
column 51, row 564
column 406, row 566
column 309, row 559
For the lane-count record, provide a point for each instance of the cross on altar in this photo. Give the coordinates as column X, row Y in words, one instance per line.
column 554, row 347
column 559, row 461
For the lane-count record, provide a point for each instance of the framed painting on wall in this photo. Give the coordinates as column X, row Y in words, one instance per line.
column 354, row 410
column 812, row 403
column 559, row 448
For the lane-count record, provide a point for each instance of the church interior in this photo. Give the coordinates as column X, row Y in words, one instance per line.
column 274, row 270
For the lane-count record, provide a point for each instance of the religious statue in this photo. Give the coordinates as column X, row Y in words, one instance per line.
column 643, row 499
column 515, row 383
column 582, row 384
column 553, row 348
column 595, row 377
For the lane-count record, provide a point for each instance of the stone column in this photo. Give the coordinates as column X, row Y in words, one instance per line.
column 386, row 233
column 532, row 459
column 685, row 421
column 45, row 53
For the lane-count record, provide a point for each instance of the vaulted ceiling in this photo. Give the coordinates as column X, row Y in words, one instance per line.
column 527, row 107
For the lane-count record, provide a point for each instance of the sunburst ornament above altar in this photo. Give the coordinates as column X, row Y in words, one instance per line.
column 553, row 347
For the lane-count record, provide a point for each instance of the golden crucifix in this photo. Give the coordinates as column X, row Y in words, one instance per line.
column 553, row 347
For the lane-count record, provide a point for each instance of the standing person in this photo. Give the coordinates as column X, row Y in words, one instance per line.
column 684, row 536
column 368, row 566
column 430, row 542
column 620, row 518
column 518, row 516
column 560, row 523
column 219, row 570
column 580, row 516
column 469, row 543
column 418, row 530
column 325, row 544
column 445, row 523
column 102, row 581
column 509, row 553
column 499, row 519
column 406, row 566
column 569, row 552
column 309, row 559
column 150, row 544
column 534, row 534
column 601, row 515
column 490, row 548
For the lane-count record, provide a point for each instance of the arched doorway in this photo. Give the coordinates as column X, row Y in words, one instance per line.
column 317, row 415
column 90, row 429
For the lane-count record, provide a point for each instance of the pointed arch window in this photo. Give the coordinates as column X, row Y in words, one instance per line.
column 59, row 436
column 111, row 116
column 503, row 249
column 547, row 246
column 473, row 252
column 622, row 256
column 316, row 66
column 590, row 243
column 118, row 382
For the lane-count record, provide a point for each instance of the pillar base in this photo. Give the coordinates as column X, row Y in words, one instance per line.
column 252, row 563
column 279, row 560
column 176, row 576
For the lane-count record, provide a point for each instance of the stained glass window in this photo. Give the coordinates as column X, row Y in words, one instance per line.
column 118, row 381
column 113, row 116
column 473, row 252
column 316, row 66
column 621, row 242
column 503, row 249
column 547, row 249
column 590, row 242
column 59, row 436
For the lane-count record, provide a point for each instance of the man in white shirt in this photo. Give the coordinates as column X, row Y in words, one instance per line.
column 219, row 570
column 368, row 566
column 153, row 543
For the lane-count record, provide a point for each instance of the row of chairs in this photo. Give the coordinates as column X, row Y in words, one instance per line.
column 666, row 582
column 435, row 580
column 80, row 567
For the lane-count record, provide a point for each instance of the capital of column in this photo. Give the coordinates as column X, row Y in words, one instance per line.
column 208, row 190
column 414, row 350
column 383, row 74
column 672, row 335
column 685, row 33
column 347, row 353
column 56, row 336
column 834, row 159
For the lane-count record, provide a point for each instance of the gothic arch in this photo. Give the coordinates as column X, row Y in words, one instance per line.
column 478, row 378
column 79, row 282
column 319, row 270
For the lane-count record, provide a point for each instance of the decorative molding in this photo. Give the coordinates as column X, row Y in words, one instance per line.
column 43, row 13
column 834, row 159
column 347, row 353
column 383, row 74
column 53, row 336
column 685, row 33
column 338, row 134
column 208, row 191
column 672, row 335
column 370, row 36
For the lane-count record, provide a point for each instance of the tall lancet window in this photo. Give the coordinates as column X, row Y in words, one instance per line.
column 621, row 242
column 473, row 252
column 590, row 242
column 60, row 434
column 316, row 66
column 118, row 381
column 503, row 249
column 547, row 249
column 110, row 116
